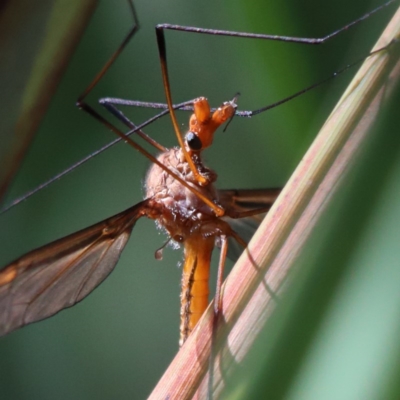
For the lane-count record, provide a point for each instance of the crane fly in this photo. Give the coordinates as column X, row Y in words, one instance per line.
column 60, row 274
column 180, row 197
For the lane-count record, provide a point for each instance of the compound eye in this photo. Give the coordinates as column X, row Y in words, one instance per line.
column 179, row 238
column 193, row 141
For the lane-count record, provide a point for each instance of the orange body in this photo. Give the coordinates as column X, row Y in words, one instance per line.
column 195, row 277
column 191, row 218
column 60, row 274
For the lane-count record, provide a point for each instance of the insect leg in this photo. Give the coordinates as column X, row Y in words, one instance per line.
column 220, row 275
column 217, row 32
column 115, row 55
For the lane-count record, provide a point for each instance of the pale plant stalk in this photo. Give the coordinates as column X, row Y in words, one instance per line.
column 36, row 86
column 262, row 272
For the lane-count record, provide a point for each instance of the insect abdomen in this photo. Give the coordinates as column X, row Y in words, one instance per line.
column 195, row 277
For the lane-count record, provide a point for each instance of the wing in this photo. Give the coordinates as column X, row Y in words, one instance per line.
column 246, row 200
column 60, row 274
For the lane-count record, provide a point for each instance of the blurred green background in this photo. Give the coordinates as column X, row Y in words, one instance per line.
column 343, row 310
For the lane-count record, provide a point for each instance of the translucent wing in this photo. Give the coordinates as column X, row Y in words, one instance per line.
column 245, row 200
column 60, row 274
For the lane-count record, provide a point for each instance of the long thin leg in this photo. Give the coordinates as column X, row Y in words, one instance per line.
column 217, row 312
column 164, row 67
column 149, row 156
column 109, row 105
column 290, row 39
column 220, row 275
column 110, row 102
column 55, row 178
column 248, row 213
column 84, row 106
column 115, row 55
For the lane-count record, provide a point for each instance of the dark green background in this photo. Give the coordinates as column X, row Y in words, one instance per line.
column 118, row 342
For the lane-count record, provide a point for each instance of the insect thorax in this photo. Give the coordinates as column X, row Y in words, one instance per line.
column 182, row 210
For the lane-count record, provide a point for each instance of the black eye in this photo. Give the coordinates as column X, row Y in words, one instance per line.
column 193, row 141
